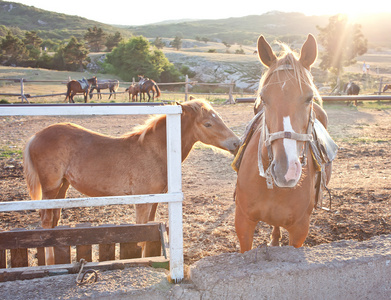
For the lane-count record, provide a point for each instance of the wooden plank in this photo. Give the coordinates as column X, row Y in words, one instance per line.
column 78, row 236
column 41, row 256
column 15, row 274
column 106, row 252
column 19, row 258
column 62, row 255
column 129, row 250
column 84, row 251
column 3, row 259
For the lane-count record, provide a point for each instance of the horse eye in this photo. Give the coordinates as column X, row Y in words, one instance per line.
column 208, row 125
column 309, row 99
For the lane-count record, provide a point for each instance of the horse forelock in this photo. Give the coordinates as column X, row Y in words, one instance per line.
column 289, row 62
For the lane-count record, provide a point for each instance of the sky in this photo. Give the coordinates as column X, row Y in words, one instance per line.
column 141, row 12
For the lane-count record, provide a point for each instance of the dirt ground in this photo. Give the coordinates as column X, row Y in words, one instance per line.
column 360, row 184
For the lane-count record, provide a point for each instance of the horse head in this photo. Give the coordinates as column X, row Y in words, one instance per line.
column 286, row 92
column 207, row 126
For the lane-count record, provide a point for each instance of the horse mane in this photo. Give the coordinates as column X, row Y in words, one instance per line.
column 199, row 106
column 289, row 61
column 150, row 125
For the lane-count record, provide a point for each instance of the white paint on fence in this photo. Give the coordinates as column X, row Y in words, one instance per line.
column 173, row 197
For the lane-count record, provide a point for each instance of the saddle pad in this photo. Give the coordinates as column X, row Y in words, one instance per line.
column 326, row 145
column 83, row 84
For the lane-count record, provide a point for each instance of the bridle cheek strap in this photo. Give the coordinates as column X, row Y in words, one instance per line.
column 267, row 138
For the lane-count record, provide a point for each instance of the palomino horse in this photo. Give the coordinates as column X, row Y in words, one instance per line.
column 97, row 165
column 111, row 84
column 283, row 193
column 76, row 86
column 134, row 89
column 147, row 85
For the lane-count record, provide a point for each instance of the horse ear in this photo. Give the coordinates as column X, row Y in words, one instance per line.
column 309, row 52
column 265, row 52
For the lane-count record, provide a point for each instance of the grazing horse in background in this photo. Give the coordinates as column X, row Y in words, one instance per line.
column 97, row 165
column 79, row 86
column 351, row 88
column 134, row 89
column 277, row 177
column 386, row 87
column 111, row 84
column 147, row 85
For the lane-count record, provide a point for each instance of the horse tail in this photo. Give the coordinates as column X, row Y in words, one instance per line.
column 31, row 175
column 158, row 93
column 68, row 91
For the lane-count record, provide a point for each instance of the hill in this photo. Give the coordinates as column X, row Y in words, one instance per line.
column 287, row 27
column 49, row 25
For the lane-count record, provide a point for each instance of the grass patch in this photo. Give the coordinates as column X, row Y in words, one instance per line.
column 11, row 153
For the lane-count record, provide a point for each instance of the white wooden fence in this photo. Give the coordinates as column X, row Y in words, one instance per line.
column 173, row 197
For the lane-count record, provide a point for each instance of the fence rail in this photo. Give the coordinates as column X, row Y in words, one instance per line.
column 174, row 196
column 332, row 98
column 187, row 84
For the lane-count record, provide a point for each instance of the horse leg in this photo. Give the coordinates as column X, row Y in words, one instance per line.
column 144, row 214
column 244, row 229
column 51, row 217
column 149, row 96
column 152, row 248
column 275, row 236
column 298, row 232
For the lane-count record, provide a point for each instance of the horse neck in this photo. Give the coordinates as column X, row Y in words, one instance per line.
column 159, row 137
column 188, row 137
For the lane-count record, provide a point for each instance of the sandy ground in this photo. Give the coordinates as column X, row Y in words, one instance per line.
column 360, row 184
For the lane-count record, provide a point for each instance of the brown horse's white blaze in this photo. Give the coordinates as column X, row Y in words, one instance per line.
column 98, row 165
column 277, row 175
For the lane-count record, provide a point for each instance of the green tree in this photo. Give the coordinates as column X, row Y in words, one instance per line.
column 113, row 40
column 227, row 46
column 12, row 50
column 71, row 57
column 158, row 43
column 176, row 43
column 134, row 57
column 33, row 43
column 342, row 43
column 95, row 38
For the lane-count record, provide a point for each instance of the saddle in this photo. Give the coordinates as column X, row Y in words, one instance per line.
column 323, row 150
column 83, row 84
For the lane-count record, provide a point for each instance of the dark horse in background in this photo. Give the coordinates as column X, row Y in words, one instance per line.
column 111, row 84
column 147, row 85
column 79, row 87
column 351, row 88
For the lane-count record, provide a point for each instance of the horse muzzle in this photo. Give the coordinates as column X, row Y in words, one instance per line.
column 286, row 176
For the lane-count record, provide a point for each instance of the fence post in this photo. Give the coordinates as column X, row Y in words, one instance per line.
column 380, row 85
column 174, row 185
column 22, row 96
column 231, row 91
column 187, row 88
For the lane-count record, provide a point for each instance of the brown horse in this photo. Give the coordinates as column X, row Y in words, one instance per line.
column 79, row 86
column 98, row 165
column 111, row 84
column 134, row 89
column 148, row 85
column 386, row 87
column 277, row 176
